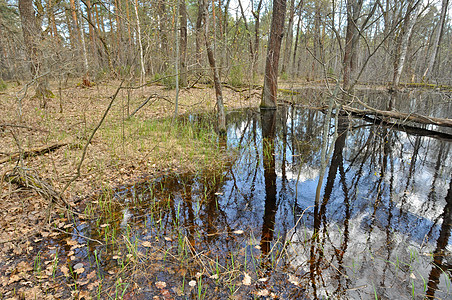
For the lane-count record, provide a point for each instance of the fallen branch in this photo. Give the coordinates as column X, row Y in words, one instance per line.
column 34, row 152
column 143, row 104
column 22, row 126
column 400, row 116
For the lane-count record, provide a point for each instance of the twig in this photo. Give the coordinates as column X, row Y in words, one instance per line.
column 33, row 152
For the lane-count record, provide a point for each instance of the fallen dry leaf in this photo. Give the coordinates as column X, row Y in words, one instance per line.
column 65, row 270
column 192, row 283
column 160, row 284
column 214, row 276
column 246, row 279
column 14, row 278
column 71, row 242
column 263, row 293
column 146, row 244
column 238, row 231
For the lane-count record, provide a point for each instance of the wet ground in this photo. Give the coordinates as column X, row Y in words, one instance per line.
column 374, row 222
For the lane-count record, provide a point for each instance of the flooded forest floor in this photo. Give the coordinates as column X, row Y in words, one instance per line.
column 167, row 209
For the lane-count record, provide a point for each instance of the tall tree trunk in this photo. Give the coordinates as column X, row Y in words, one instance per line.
column 183, row 42
column 297, row 40
column 82, row 37
column 351, row 42
column 140, row 44
column 163, row 23
column 436, row 42
column 289, row 38
column 402, row 46
column 51, row 17
column 216, row 77
column 199, row 32
column 269, row 94
column 257, row 17
column 32, row 33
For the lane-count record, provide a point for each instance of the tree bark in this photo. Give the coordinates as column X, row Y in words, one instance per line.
column 269, row 94
column 216, row 77
column 289, row 38
column 199, row 32
column 402, row 47
column 436, row 43
column 183, row 43
column 143, row 69
column 32, row 33
column 351, row 42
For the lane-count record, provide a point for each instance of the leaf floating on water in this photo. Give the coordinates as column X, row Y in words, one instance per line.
column 192, row 283
column 160, row 284
column 246, row 279
column 146, row 244
column 238, row 231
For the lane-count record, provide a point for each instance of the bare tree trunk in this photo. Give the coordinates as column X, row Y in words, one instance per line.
column 436, row 42
column 351, row 42
column 402, row 47
column 297, row 40
column 32, row 33
column 199, row 32
column 82, row 36
column 183, row 43
column 143, row 69
column 256, row 15
column 269, row 94
column 216, row 77
column 289, row 38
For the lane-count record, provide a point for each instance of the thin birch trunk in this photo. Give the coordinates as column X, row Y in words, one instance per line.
column 140, row 44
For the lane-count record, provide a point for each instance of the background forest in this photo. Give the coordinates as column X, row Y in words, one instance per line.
column 380, row 41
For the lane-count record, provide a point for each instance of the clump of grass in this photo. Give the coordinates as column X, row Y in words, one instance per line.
column 3, row 85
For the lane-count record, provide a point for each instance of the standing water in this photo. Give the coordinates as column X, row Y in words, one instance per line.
column 376, row 226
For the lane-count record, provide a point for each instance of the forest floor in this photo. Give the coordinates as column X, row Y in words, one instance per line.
column 122, row 151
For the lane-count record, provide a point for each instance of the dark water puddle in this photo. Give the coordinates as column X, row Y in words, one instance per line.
column 380, row 225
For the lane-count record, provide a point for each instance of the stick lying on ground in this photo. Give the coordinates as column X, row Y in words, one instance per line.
column 34, row 152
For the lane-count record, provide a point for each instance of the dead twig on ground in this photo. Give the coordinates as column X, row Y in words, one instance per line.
column 33, row 152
